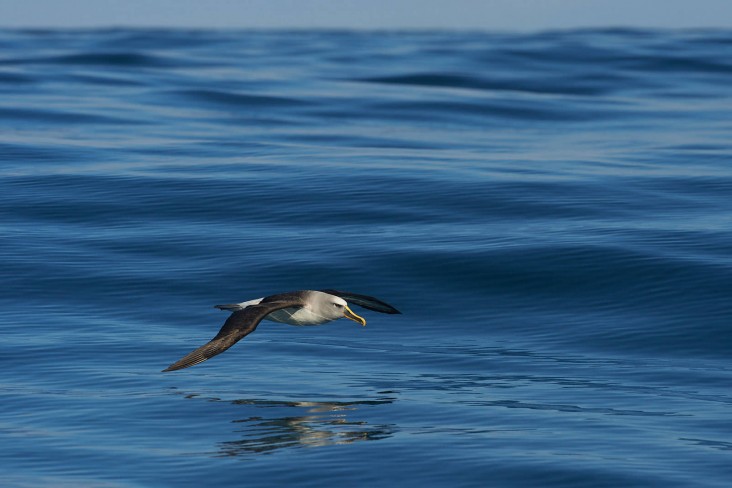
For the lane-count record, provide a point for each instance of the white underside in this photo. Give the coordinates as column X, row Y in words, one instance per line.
column 292, row 316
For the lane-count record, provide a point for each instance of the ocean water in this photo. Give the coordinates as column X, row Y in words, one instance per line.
column 552, row 213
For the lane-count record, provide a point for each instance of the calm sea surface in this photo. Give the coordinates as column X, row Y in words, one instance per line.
column 552, row 213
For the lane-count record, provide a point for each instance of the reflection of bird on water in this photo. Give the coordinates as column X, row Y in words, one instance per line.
column 322, row 424
column 307, row 307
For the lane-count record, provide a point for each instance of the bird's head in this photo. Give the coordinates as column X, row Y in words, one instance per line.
column 334, row 308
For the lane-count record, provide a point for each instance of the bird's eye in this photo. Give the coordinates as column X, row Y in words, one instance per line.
column 338, row 305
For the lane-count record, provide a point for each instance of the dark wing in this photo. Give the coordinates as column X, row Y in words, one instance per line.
column 364, row 301
column 239, row 324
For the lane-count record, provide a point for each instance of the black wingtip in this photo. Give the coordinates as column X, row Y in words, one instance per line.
column 385, row 308
column 171, row 368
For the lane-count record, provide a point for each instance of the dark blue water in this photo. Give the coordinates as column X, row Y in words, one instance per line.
column 552, row 213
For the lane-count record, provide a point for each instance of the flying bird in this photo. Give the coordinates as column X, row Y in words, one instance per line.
column 306, row 307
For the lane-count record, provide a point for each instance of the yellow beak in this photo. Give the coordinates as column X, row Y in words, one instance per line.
column 348, row 313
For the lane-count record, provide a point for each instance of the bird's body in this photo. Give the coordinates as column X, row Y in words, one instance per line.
column 307, row 307
column 290, row 315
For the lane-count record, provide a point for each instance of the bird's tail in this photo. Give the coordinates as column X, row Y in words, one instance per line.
column 234, row 307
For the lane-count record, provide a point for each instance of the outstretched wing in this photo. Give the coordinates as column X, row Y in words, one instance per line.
column 364, row 301
column 239, row 324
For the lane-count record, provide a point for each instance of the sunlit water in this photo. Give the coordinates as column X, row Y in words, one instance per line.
column 551, row 212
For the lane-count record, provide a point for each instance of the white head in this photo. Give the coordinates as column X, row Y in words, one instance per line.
column 332, row 307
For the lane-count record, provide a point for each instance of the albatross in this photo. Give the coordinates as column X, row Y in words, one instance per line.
column 306, row 307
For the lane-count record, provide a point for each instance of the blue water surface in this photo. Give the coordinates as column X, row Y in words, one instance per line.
column 551, row 212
